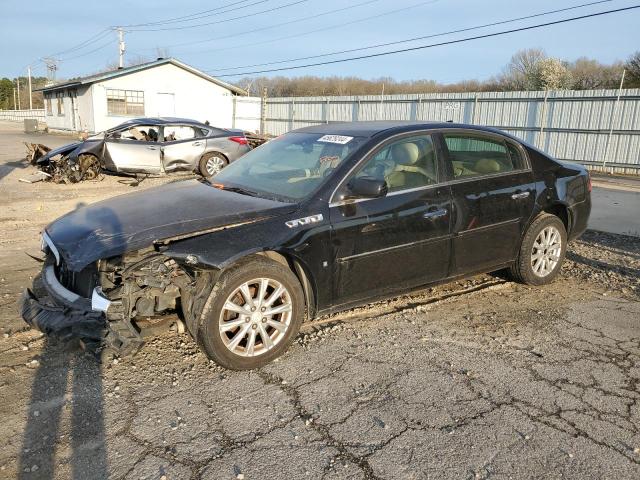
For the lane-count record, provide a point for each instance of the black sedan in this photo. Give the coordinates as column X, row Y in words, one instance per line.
column 316, row 221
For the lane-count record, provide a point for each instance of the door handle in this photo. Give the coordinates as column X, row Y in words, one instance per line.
column 517, row 196
column 435, row 214
column 196, row 144
column 152, row 148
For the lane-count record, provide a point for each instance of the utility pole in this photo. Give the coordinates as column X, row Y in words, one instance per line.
column 18, row 84
column 30, row 93
column 613, row 114
column 121, row 47
column 15, row 105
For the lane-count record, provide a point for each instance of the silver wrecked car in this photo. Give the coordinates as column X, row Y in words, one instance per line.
column 152, row 145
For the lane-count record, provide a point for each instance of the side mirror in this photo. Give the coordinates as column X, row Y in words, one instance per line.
column 115, row 135
column 367, row 187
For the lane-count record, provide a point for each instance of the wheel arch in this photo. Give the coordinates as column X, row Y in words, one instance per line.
column 300, row 270
column 563, row 212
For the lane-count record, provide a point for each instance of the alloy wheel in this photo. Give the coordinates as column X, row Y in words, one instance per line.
column 214, row 165
column 255, row 317
column 546, row 251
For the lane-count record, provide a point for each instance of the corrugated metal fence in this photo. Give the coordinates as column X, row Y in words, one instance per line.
column 581, row 126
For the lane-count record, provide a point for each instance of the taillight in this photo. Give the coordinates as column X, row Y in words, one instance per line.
column 240, row 140
column 588, row 182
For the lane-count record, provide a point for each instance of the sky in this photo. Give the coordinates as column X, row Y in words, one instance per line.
column 234, row 33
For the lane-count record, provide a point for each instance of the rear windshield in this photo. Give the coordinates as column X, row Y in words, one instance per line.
column 289, row 167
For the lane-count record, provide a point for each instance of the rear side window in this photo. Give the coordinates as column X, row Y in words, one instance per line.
column 476, row 156
column 178, row 132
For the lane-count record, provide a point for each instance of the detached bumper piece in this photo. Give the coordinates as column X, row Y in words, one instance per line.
column 60, row 321
column 61, row 314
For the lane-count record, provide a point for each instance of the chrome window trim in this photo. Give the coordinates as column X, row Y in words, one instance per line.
column 437, row 185
column 433, row 132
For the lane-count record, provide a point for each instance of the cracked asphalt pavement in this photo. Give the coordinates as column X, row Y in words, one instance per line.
column 474, row 379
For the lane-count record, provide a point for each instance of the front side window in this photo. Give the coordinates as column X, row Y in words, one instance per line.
column 125, row 102
column 289, row 167
column 475, row 156
column 141, row 133
column 404, row 164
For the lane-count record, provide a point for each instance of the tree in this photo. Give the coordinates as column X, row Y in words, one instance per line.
column 590, row 74
column 633, row 70
column 6, row 94
column 521, row 73
column 551, row 74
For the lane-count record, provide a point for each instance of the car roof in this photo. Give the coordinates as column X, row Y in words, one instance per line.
column 372, row 128
column 163, row 121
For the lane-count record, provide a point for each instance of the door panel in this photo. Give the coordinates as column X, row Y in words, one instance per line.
column 134, row 155
column 389, row 244
column 182, row 154
column 489, row 216
column 493, row 195
column 182, row 147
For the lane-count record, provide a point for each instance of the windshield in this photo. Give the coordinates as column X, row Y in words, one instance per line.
column 289, row 167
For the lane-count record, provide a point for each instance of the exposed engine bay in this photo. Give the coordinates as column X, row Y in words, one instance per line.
column 145, row 290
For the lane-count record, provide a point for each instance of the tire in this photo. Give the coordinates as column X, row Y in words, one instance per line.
column 543, row 233
column 211, row 163
column 220, row 327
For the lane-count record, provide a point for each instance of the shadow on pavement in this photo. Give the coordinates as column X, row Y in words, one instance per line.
column 7, row 167
column 66, row 381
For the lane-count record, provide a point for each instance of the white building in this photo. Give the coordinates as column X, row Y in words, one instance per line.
column 163, row 88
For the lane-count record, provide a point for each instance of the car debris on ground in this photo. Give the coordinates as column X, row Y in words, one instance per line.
column 35, row 151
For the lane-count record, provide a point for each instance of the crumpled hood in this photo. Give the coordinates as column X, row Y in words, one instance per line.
column 65, row 149
column 134, row 221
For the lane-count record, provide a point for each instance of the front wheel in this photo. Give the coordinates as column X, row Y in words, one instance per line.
column 252, row 315
column 211, row 163
column 542, row 251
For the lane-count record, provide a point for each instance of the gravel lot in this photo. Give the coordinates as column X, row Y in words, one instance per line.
column 475, row 379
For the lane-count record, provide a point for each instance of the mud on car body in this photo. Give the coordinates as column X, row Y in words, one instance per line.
column 316, row 221
column 147, row 145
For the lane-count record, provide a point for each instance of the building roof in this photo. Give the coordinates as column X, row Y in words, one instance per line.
column 137, row 68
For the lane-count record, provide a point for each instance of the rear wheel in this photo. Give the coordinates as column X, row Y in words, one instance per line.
column 211, row 163
column 542, row 251
column 252, row 315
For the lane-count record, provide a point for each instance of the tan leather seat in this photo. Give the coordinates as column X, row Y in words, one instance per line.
column 487, row 165
column 406, row 174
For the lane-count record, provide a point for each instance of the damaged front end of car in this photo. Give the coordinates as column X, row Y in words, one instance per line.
column 113, row 302
column 70, row 164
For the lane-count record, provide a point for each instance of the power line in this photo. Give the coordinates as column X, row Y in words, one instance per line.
column 87, row 42
column 449, row 42
column 241, row 17
column 101, row 47
column 194, row 16
column 308, row 32
column 424, row 37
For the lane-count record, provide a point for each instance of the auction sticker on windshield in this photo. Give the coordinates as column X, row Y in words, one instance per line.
column 341, row 139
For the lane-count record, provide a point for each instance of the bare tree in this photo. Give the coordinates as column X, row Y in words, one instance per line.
column 633, row 70
column 521, row 71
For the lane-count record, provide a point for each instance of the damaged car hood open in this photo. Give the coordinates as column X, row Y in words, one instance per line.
column 64, row 150
column 136, row 220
